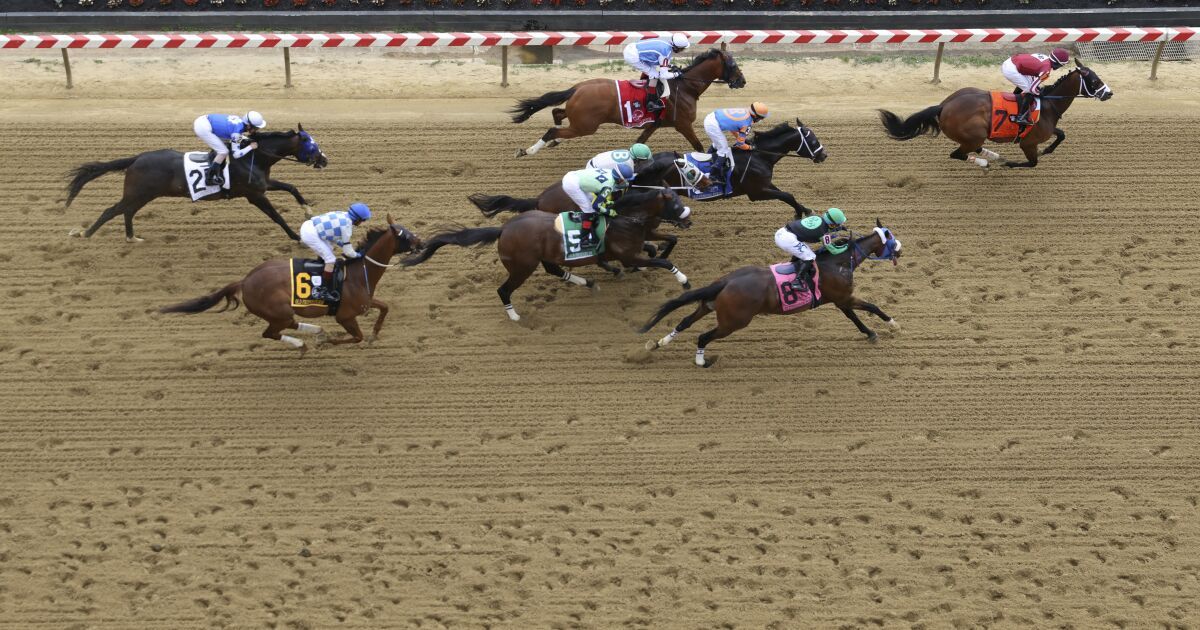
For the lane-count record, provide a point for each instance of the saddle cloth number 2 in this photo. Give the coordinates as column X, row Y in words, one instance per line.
column 195, row 176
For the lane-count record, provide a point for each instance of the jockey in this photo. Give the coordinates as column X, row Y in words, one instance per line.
column 636, row 156
column 652, row 57
column 592, row 191
column 794, row 238
column 217, row 129
column 332, row 229
column 1027, row 72
column 736, row 120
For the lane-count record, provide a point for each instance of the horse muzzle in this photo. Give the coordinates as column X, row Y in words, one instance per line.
column 320, row 162
column 821, row 156
column 1105, row 94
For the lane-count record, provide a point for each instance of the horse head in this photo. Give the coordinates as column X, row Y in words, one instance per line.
column 731, row 74
column 718, row 65
column 672, row 209
column 1090, row 83
column 308, row 151
column 810, row 146
column 406, row 239
column 889, row 246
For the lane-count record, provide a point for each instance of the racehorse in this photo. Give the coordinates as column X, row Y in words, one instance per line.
column 155, row 174
column 594, row 102
column 531, row 238
column 753, row 169
column 267, row 290
column 966, row 115
column 740, row 295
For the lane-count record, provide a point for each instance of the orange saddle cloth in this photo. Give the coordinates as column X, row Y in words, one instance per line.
column 1004, row 107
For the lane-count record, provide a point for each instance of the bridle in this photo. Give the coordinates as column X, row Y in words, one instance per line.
column 399, row 233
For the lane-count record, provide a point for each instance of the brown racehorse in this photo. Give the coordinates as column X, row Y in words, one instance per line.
column 531, row 238
column 267, row 290
column 160, row 173
column 750, row 291
column 594, row 102
column 966, row 115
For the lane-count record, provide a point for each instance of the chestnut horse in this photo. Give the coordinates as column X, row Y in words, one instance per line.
column 966, row 117
column 750, row 291
column 267, row 290
column 594, row 102
column 155, row 174
column 530, row 239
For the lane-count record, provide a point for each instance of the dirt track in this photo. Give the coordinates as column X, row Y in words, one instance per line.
column 1024, row 452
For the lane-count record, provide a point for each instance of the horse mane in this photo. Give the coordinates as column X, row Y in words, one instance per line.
column 1059, row 81
column 270, row 135
column 701, row 58
column 825, row 253
column 774, row 133
column 373, row 235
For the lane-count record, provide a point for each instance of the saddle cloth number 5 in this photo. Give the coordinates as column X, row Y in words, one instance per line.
column 573, row 238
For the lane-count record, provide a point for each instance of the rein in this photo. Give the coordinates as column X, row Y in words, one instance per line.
column 377, row 263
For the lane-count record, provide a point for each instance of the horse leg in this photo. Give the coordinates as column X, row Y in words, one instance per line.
column 669, row 239
column 567, row 276
column 125, row 206
column 262, row 203
column 967, row 153
column 647, row 132
column 604, row 264
column 686, row 130
column 701, row 310
column 650, row 250
column 274, row 328
column 351, row 326
column 863, row 305
column 516, row 277
column 275, row 184
column 1059, row 136
column 1031, row 156
column 725, row 326
column 554, row 136
column 848, row 311
column 383, row 313
column 659, row 263
column 559, row 114
column 770, row 191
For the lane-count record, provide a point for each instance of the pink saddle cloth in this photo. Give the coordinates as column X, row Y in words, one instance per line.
column 791, row 299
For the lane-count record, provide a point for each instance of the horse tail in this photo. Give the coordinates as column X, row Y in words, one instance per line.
column 463, row 238
column 695, row 295
column 205, row 302
column 530, row 106
column 92, row 170
column 920, row 123
column 491, row 205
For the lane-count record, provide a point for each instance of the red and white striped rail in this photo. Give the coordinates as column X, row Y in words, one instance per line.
column 593, row 38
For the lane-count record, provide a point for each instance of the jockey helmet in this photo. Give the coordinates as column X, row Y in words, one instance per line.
column 640, row 151
column 759, row 110
column 1059, row 57
column 624, row 172
column 256, row 120
column 679, row 41
column 359, row 211
column 835, row 217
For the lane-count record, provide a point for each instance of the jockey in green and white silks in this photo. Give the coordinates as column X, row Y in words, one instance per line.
column 794, row 238
column 592, row 191
column 637, row 155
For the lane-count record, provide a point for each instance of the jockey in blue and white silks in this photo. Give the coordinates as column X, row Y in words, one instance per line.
column 217, row 129
column 652, row 57
column 324, row 232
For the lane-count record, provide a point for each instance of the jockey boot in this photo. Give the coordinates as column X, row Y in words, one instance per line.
column 325, row 290
column 214, row 176
column 587, row 232
column 1024, row 107
column 654, row 101
column 803, row 272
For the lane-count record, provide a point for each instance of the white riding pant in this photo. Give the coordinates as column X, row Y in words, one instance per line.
column 308, row 236
column 582, row 199
column 1025, row 82
column 719, row 142
column 654, row 73
column 788, row 242
column 204, row 131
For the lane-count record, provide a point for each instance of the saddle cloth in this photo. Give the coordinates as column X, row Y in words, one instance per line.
column 195, row 167
column 301, row 278
column 631, row 102
column 570, row 228
column 705, row 162
column 1004, row 107
column 789, row 299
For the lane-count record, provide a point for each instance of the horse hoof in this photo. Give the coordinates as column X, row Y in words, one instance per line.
column 308, row 211
column 708, row 362
column 521, row 153
column 512, row 314
column 651, row 345
column 591, row 284
column 76, row 232
column 134, row 239
column 873, row 338
column 687, row 286
column 894, row 324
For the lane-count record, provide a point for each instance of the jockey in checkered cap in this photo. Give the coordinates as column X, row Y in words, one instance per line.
column 324, row 232
column 1028, row 72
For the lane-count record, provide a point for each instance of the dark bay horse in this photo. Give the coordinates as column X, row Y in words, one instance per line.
column 744, row 293
column 267, row 290
column 966, row 117
column 531, row 238
column 155, row 174
column 593, row 102
column 752, row 170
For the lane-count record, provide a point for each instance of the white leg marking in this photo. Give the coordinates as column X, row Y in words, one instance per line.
column 306, row 327
column 537, row 146
column 291, row 341
column 700, row 357
column 893, row 323
column 989, row 154
column 666, row 340
column 574, row 279
column 679, row 275
column 512, row 313
column 981, row 163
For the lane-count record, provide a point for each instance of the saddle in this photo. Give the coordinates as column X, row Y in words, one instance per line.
column 302, row 272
